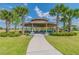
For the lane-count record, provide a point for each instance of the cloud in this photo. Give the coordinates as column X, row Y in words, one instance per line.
column 39, row 12
column 10, row 6
column 42, row 14
column 45, row 14
column 2, row 8
column 25, row 4
column 29, row 17
column 75, row 22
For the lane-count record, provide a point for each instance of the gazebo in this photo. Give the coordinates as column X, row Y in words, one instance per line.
column 40, row 25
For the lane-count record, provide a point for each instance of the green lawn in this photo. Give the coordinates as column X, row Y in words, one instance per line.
column 14, row 45
column 65, row 44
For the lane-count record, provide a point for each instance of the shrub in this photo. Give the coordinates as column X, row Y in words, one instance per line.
column 9, row 34
column 1, row 28
column 27, row 34
column 64, row 34
column 13, row 34
column 3, row 34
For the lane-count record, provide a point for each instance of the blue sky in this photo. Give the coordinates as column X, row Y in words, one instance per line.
column 37, row 10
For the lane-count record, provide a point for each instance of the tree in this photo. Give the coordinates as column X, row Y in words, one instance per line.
column 57, row 11
column 7, row 16
column 75, row 28
column 21, row 11
column 64, row 18
column 70, row 15
column 16, row 19
column 1, row 28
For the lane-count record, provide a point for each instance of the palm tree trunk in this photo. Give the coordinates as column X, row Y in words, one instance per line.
column 69, row 26
column 23, row 25
column 7, row 26
column 57, row 22
column 64, row 26
column 15, row 27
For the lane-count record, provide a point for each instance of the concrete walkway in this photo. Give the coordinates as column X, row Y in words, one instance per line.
column 39, row 46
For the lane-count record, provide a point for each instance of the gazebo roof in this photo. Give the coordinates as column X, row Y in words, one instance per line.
column 39, row 21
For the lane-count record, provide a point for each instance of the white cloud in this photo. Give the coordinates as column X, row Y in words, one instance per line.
column 38, row 11
column 2, row 20
column 25, row 4
column 29, row 17
column 42, row 14
column 2, row 8
column 45, row 14
column 75, row 22
column 10, row 6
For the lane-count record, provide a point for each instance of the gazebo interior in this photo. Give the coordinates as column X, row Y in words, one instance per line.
column 39, row 25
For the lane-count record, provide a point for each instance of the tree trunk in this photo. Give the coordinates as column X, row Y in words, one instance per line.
column 69, row 26
column 15, row 26
column 23, row 25
column 64, row 26
column 7, row 26
column 57, row 23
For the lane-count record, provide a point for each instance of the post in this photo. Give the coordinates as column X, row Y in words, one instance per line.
column 32, row 27
column 32, row 30
column 46, row 27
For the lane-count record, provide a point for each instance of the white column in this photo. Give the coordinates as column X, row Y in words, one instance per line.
column 46, row 27
column 32, row 30
column 32, row 27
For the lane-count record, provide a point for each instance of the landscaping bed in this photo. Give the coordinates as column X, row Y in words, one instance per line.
column 10, row 34
column 63, row 34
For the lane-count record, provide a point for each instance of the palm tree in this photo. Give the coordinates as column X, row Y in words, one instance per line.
column 64, row 18
column 16, row 19
column 57, row 11
column 7, row 16
column 21, row 11
column 76, row 13
column 70, row 14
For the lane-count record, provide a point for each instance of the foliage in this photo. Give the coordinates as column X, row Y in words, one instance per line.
column 57, row 11
column 10, row 34
column 21, row 11
column 74, row 28
column 66, row 15
column 1, row 27
column 3, row 34
column 64, row 34
column 15, row 16
column 7, row 16
column 14, row 34
column 27, row 34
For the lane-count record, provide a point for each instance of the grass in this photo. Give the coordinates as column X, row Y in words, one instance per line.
column 68, row 45
column 14, row 45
